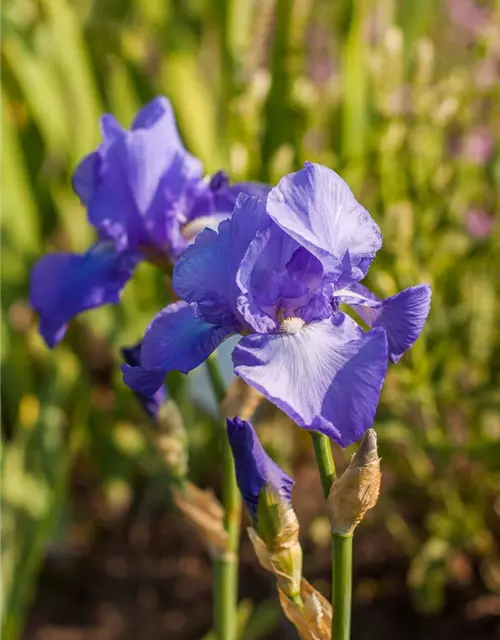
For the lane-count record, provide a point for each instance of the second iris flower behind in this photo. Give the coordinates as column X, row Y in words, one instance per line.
column 276, row 273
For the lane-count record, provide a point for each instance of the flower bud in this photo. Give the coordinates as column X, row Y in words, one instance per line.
column 313, row 619
column 266, row 491
column 357, row 489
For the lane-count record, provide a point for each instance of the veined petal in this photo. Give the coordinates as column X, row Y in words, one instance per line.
column 65, row 284
column 317, row 208
column 255, row 469
column 179, row 339
column 208, row 268
column 327, row 376
column 402, row 316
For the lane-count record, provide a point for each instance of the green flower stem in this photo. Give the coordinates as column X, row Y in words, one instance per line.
column 341, row 586
column 216, row 379
column 341, row 546
column 226, row 566
column 324, row 458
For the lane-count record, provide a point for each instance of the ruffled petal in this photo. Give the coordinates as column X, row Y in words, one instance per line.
column 201, row 270
column 402, row 316
column 65, row 284
column 144, row 173
column 317, row 208
column 178, row 339
column 208, row 269
column 327, row 377
column 255, row 469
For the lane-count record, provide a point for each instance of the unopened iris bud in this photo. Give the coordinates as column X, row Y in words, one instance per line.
column 357, row 489
column 266, row 491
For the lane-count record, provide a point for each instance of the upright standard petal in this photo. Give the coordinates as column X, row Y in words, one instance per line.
column 255, row 469
column 150, row 403
column 225, row 194
column 208, row 268
column 178, row 339
column 111, row 209
column 65, row 284
column 402, row 316
column 142, row 175
column 317, row 208
column 155, row 153
column 86, row 175
column 201, row 269
column 327, row 376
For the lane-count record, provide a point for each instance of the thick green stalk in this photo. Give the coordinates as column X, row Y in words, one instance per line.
column 341, row 586
column 341, row 547
column 324, row 458
column 226, row 566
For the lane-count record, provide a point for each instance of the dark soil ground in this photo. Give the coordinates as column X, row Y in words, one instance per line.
column 145, row 575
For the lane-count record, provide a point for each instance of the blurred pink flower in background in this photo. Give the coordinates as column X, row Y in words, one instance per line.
column 479, row 223
column 477, row 146
column 467, row 14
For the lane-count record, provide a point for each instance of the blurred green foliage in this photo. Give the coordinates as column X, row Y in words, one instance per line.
column 386, row 94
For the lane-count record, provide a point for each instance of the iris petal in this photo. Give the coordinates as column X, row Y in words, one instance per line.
column 327, row 377
column 143, row 174
column 317, row 208
column 225, row 197
column 65, row 284
column 178, row 339
column 85, row 177
column 150, row 403
column 210, row 268
column 402, row 316
column 255, row 469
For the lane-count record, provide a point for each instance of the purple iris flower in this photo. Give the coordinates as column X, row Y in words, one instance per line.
column 150, row 403
column 147, row 199
column 255, row 469
column 276, row 272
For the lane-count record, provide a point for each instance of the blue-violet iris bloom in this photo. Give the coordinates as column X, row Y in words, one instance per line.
column 255, row 469
column 146, row 197
column 276, row 272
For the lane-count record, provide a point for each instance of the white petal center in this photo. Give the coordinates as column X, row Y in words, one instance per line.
column 292, row 325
